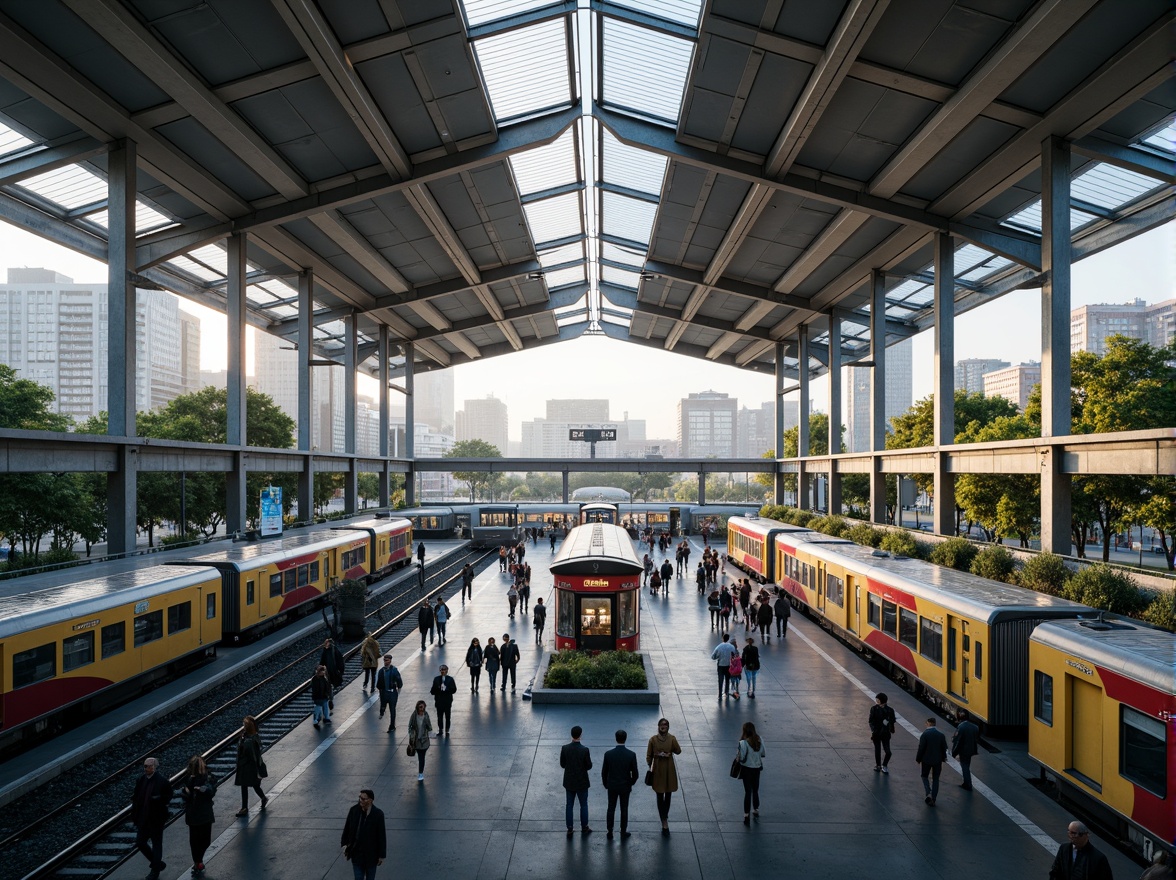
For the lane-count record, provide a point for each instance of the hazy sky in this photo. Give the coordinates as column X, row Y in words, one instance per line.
column 648, row 384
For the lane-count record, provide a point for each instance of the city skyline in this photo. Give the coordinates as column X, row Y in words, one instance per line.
column 648, row 384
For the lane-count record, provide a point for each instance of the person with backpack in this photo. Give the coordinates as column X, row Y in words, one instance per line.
column 735, row 671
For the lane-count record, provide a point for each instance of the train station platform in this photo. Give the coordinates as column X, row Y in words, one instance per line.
column 492, row 804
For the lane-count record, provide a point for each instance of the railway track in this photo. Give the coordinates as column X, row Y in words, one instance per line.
column 83, row 816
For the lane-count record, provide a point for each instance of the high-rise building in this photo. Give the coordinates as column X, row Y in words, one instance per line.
column 756, row 428
column 484, row 419
column 707, row 425
column 275, row 369
column 548, row 437
column 969, row 373
column 1013, row 383
column 1091, row 325
column 54, row 332
column 190, row 352
column 433, row 400
column 856, row 406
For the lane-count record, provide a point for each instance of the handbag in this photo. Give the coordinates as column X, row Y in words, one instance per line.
column 736, row 768
column 649, row 777
column 262, row 772
column 411, row 750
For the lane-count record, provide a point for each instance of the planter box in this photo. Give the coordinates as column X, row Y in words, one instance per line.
column 651, row 696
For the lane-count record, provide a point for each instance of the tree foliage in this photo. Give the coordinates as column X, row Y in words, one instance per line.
column 479, row 482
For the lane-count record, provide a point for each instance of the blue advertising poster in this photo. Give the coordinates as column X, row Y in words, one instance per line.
column 271, row 510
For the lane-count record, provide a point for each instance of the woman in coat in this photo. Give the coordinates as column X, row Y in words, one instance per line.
column 751, row 665
column 474, row 662
column 751, row 764
column 371, row 660
column 492, row 657
column 250, row 767
column 198, row 792
column 419, row 728
column 659, row 757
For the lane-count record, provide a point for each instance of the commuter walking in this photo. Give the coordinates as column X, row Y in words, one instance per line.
column 370, row 653
column 320, row 696
column 712, row 604
column 551, row 538
column 365, row 838
column 659, row 758
column 473, row 661
column 576, row 762
column 425, row 621
column 250, row 766
column 502, row 558
column 964, row 745
column 197, row 794
column 421, row 554
column 332, row 658
column 419, row 728
column 655, row 582
column 735, row 672
column 1078, row 859
column 525, row 587
column 492, row 657
column 443, row 689
column 153, row 792
column 763, row 619
column 700, row 583
column 509, row 654
column 389, row 683
column 441, row 618
column 881, row 723
column 723, row 654
column 931, row 754
column 1161, row 866
column 783, row 611
column 751, row 754
column 667, row 574
column 512, row 596
column 539, row 613
column 751, row 665
column 619, row 774
column 467, row 582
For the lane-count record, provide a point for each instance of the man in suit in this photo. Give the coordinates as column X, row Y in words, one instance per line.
column 389, row 683
column 1078, row 859
column 443, row 689
column 619, row 775
column 365, row 839
column 964, row 745
column 931, row 754
column 510, row 660
column 576, row 762
column 153, row 793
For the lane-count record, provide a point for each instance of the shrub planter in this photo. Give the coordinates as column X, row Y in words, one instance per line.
column 651, row 696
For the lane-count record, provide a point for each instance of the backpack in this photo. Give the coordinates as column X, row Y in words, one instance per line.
column 736, row 667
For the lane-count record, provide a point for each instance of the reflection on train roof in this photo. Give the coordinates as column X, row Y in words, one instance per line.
column 276, row 550
column 1138, row 652
column 92, row 596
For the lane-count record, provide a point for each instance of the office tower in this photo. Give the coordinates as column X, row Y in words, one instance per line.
column 484, row 419
column 969, row 373
column 1013, row 383
column 707, row 425
column 1090, row 326
column 433, row 400
column 189, row 352
column 856, row 409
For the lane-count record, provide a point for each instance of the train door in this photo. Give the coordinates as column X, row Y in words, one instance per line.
column 855, row 591
column 819, row 575
column 1085, row 749
column 596, row 614
column 959, row 657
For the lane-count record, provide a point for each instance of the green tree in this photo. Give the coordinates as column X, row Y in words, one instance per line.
column 1004, row 505
column 478, row 481
column 368, row 486
column 1158, row 511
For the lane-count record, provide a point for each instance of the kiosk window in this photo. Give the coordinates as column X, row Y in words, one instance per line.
column 627, row 614
column 114, row 639
column 1142, row 751
column 34, row 665
column 596, row 616
column 565, row 623
column 77, row 651
column 1043, row 697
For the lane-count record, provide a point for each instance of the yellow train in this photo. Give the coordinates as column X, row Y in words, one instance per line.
column 1103, row 722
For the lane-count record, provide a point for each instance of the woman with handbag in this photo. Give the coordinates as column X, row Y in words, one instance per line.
column 750, row 753
column 250, row 766
column 419, row 728
column 663, row 773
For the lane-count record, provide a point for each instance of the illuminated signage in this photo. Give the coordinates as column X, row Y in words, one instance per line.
column 592, row 435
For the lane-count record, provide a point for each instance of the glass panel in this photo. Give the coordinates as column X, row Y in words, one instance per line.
column 547, row 167
column 565, row 622
column 148, row 628
column 627, row 614
column 908, row 628
column 1043, row 697
column 890, row 619
column 275, row 585
column 114, row 639
column 874, row 611
column 557, row 217
column 1110, row 187
column 595, row 616
column 210, row 606
column 931, row 641
column 681, row 11
column 34, row 665
column 1144, row 747
column 179, row 617
column 526, row 70
column 11, row 141
column 644, row 70
column 480, row 12
column 70, row 187
column 77, row 651
column 631, row 167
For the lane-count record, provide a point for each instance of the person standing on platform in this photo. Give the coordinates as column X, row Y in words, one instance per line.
column 421, row 554
column 655, row 581
column 751, row 753
column 389, row 683
column 931, row 754
column 659, row 758
column 492, row 657
column 722, row 654
column 510, row 656
column 964, row 745
column 320, row 695
column 751, row 664
column 197, row 793
column 525, row 586
column 419, row 728
column 153, row 793
column 473, row 663
column 726, row 603
column 512, row 596
column 467, row 582
column 763, row 618
column 647, row 568
column 1161, row 866
column 332, row 658
column 371, row 660
column 441, row 618
column 1078, row 859
column 250, row 766
column 881, row 723
column 783, row 611
column 667, row 574
column 551, row 539
column 365, row 839
column 425, row 621
column 619, row 774
column 540, row 618
column 576, row 762
column 700, row 579
column 502, row 558
column 443, row 689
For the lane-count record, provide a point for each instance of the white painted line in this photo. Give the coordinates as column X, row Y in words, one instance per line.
column 1014, row 815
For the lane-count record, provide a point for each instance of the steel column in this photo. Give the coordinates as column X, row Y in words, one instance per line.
column 943, row 381
column 383, row 374
column 409, row 429
column 350, row 370
column 305, row 419
column 877, row 394
column 778, row 435
column 802, row 436
column 833, row 502
column 236, row 433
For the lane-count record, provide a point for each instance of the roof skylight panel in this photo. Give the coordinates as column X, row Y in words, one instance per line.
column 1029, row 219
column 526, row 70
column 1164, row 139
column 644, row 70
column 568, row 253
column 1111, row 187
column 679, row 11
column 627, row 218
column 11, row 141
column 564, row 277
column 632, row 167
column 555, row 218
column 620, row 277
column 547, row 167
column 479, row 12
column 194, row 269
column 70, row 187
column 617, row 254
column 147, row 219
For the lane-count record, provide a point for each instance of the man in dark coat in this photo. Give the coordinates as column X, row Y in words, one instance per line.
column 425, row 622
column 467, row 582
column 421, row 553
column 365, row 839
column 931, row 754
column 667, row 574
column 389, row 683
column 964, row 745
column 442, row 690
column 332, row 658
column 783, row 610
column 510, row 659
column 153, row 793
column 576, row 762
column 619, row 775
column 1078, row 859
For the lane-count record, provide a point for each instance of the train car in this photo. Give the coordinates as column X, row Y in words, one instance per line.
column 960, row 640
column 598, row 512
column 86, row 644
column 434, row 522
column 712, row 521
column 1103, row 722
column 751, row 543
column 390, row 543
column 546, row 515
column 267, row 582
column 597, row 578
column 495, row 525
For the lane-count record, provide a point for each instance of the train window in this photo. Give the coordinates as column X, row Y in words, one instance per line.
column 275, row 584
column 250, row 592
column 77, row 651
column 210, row 606
column 34, row 665
column 804, row 573
column 931, row 640
column 1142, row 751
column 314, row 572
column 1043, row 697
column 835, row 590
column 179, row 618
column 290, row 580
column 304, row 575
column 148, row 627
column 908, row 628
column 890, row 619
column 978, row 654
column 114, row 639
column 627, row 614
column 874, row 611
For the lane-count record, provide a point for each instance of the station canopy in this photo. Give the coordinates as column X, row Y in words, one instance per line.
column 490, row 176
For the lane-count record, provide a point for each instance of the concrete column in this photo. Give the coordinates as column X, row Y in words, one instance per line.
column 778, row 436
column 382, row 347
column 1056, row 487
column 235, row 426
column 701, row 485
column 834, row 500
column 877, row 394
column 121, row 484
column 803, row 500
column 409, row 425
column 943, row 381
column 350, row 369
column 565, row 486
column 305, row 409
